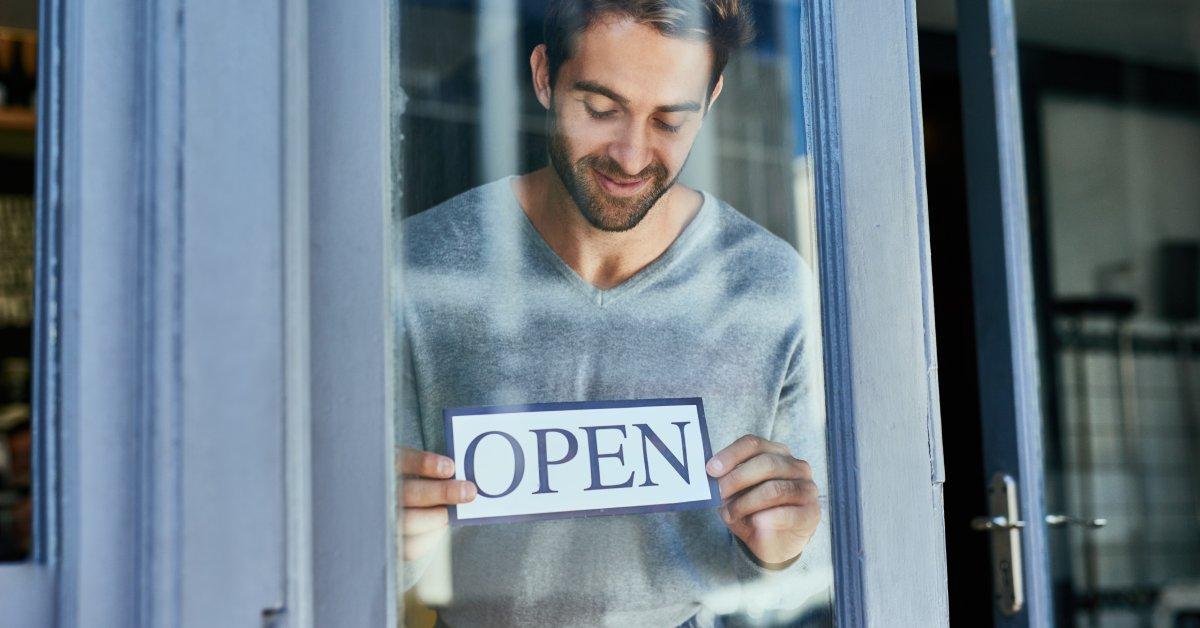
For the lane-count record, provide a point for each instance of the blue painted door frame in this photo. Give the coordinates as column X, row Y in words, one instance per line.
column 1002, row 274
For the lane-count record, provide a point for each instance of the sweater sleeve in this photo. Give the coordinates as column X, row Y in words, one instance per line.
column 799, row 423
column 408, row 433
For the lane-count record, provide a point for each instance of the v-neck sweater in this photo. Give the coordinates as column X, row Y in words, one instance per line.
column 491, row 315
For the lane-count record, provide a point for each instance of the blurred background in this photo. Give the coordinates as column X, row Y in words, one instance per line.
column 470, row 116
column 1110, row 92
column 18, row 89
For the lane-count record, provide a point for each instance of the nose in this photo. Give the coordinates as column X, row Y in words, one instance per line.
column 631, row 149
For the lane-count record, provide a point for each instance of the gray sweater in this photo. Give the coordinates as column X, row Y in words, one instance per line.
column 490, row 315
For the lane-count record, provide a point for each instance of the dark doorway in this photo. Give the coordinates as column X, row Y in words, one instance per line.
column 970, row 582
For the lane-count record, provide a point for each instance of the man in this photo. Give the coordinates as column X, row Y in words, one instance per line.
column 599, row 277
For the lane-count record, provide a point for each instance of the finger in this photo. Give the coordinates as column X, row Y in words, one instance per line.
column 424, row 464
column 786, row 518
column 761, row 468
column 424, row 493
column 422, row 520
column 741, row 450
column 418, row 545
column 770, row 494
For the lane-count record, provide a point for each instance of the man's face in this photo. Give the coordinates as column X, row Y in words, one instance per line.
column 625, row 112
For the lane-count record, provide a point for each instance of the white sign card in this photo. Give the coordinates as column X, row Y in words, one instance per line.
column 574, row 459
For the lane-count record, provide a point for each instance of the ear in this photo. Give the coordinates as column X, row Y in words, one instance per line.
column 715, row 92
column 539, row 63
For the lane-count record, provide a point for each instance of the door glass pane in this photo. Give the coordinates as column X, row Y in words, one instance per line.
column 591, row 217
column 18, row 85
column 1112, row 109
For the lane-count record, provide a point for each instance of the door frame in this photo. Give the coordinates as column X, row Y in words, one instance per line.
column 165, row 425
column 1003, row 286
column 877, row 299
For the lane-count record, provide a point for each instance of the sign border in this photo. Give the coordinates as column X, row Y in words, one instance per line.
column 714, row 491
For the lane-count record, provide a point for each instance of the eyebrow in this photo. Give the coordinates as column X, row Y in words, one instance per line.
column 596, row 88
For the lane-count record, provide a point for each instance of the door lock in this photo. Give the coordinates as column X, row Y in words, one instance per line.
column 1004, row 524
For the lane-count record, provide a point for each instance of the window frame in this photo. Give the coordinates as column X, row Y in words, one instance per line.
column 162, row 252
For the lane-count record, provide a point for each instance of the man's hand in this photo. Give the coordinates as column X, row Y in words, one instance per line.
column 427, row 489
column 769, row 498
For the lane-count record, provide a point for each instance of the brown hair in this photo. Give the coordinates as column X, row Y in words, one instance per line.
column 724, row 24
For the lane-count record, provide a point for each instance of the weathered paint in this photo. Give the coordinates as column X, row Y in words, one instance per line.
column 350, row 198
column 160, row 172
column 881, row 378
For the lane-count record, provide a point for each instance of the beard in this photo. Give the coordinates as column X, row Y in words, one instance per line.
column 601, row 209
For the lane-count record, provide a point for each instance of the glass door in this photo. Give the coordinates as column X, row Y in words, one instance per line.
column 1081, row 142
column 1111, row 100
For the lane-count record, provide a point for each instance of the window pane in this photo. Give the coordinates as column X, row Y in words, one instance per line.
column 1113, row 116
column 592, row 221
column 18, row 83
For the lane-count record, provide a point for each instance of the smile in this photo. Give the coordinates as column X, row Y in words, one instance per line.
column 620, row 188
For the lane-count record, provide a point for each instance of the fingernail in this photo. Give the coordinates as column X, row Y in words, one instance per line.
column 715, row 466
column 464, row 492
column 445, row 467
column 724, row 512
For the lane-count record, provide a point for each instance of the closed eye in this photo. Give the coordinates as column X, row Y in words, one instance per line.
column 599, row 115
column 667, row 127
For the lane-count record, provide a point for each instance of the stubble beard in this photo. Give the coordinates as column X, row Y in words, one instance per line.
column 602, row 210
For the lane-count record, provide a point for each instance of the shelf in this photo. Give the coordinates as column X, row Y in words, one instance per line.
column 18, row 119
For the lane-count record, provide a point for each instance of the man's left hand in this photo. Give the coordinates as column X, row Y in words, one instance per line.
column 769, row 500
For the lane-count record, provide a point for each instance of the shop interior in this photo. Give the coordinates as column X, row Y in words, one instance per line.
column 1110, row 94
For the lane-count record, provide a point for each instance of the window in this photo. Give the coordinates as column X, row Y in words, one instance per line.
column 550, row 255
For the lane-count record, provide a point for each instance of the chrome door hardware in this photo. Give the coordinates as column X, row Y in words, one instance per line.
column 1063, row 520
column 1004, row 524
column 995, row 523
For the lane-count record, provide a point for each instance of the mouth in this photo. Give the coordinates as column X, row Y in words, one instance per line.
column 619, row 187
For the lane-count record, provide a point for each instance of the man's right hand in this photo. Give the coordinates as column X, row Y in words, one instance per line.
column 427, row 490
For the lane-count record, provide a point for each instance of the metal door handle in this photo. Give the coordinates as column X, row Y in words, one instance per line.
column 1063, row 520
column 995, row 523
column 1004, row 527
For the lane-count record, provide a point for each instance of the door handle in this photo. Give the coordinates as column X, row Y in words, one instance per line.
column 995, row 523
column 1004, row 525
column 1058, row 521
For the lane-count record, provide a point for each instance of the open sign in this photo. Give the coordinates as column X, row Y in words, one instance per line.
column 572, row 459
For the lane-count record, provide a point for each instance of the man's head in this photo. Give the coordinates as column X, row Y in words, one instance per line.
column 627, row 84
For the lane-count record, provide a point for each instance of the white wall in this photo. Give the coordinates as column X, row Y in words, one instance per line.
column 1119, row 180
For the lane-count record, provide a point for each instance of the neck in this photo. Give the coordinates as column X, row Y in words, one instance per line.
column 604, row 259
